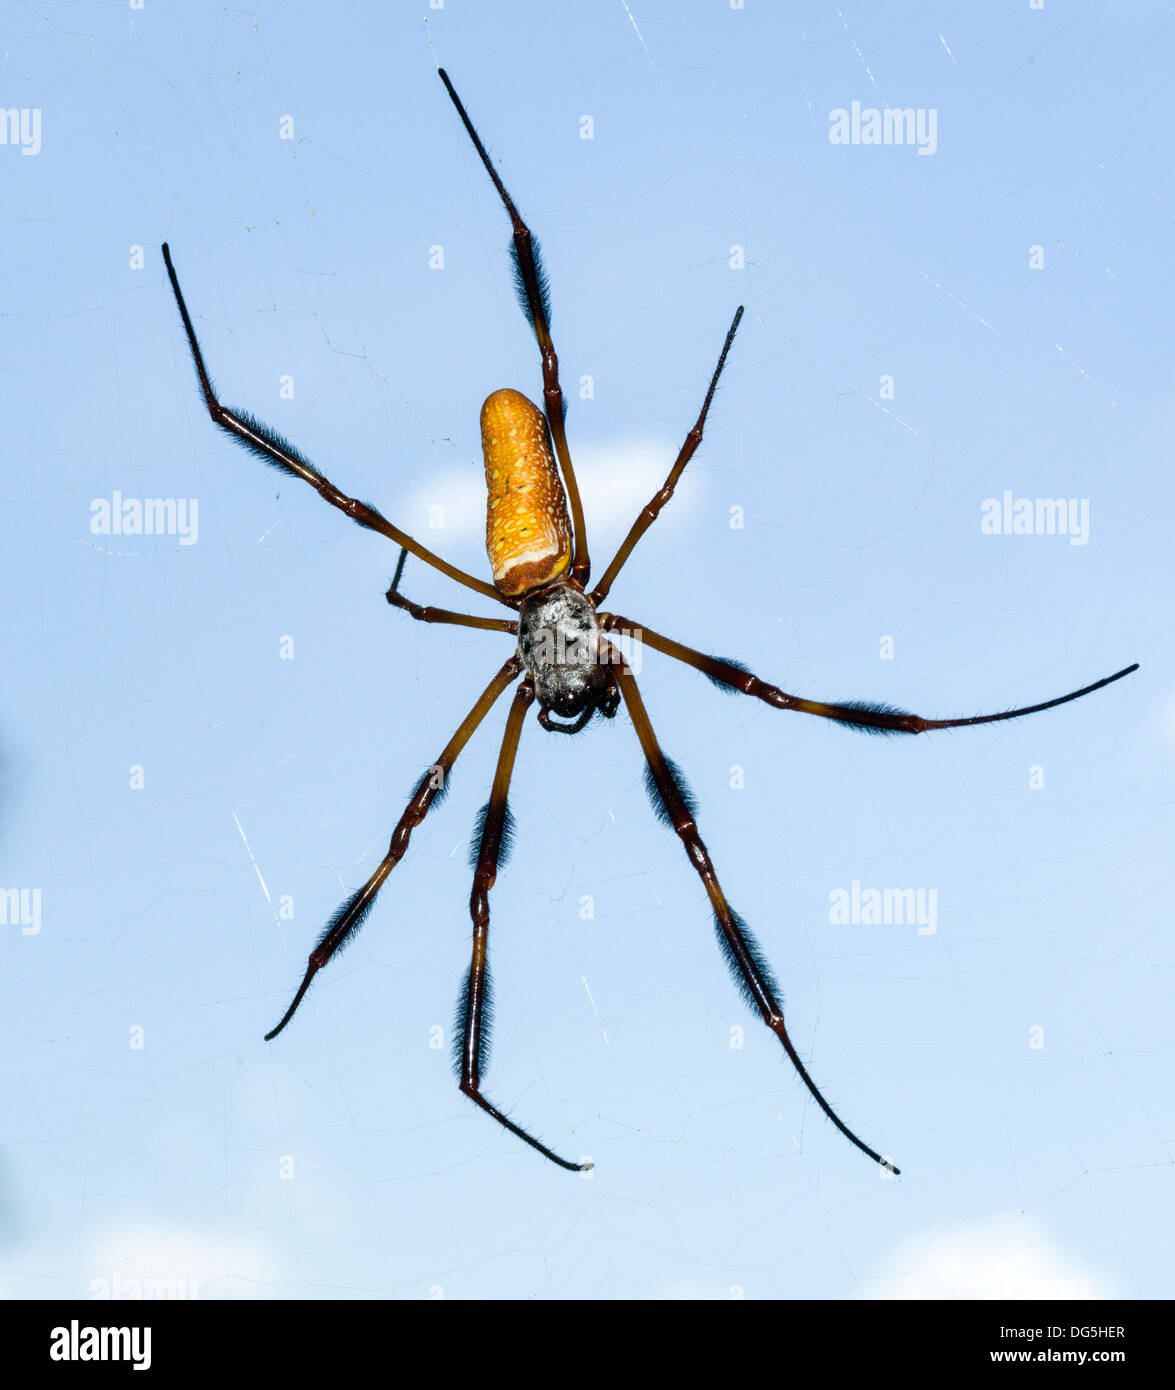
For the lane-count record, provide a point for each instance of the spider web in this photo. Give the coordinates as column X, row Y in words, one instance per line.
column 1013, row 1060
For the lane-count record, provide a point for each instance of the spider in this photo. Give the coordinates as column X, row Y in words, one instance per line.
column 568, row 655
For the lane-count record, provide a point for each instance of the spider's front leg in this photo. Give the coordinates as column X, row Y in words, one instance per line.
column 474, row 1010
column 673, row 803
column 442, row 615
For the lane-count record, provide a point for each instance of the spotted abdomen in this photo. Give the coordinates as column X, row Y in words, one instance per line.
column 528, row 537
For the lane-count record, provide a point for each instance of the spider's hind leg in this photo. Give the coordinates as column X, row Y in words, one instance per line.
column 277, row 451
column 534, row 294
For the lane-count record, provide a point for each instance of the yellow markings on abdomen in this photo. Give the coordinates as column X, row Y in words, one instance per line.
column 528, row 537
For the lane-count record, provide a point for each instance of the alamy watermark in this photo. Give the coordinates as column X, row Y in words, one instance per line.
column 21, row 125
column 146, row 516
column 21, row 907
column 118, row 1289
column 886, row 125
column 889, row 907
column 84, row 1343
column 558, row 645
column 1035, row 516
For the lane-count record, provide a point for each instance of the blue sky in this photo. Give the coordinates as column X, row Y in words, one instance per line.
column 923, row 333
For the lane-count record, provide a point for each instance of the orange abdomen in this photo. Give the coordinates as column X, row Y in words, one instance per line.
column 528, row 538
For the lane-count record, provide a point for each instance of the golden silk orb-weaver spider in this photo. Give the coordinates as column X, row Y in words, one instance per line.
column 565, row 654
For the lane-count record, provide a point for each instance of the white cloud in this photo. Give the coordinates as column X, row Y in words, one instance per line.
column 695, row 1290
column 181, row 1262
column 615, row 481
column 1003, row 1257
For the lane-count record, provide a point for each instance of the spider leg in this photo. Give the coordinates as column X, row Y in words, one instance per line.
column 474, row 1009
column 869, row 718
column 653, row 510
column 432, row 787
column 532, row 285
column 270, row 446
column 752, row 975
column 442, row 615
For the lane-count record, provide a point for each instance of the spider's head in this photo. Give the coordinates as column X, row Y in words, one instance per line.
column 559, row 642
